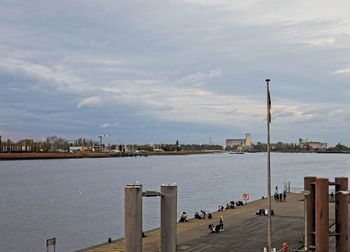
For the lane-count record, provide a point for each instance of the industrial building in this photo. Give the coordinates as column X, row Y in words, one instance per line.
column 305, row 144
column 245, row 143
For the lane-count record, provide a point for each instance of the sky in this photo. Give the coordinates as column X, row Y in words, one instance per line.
column 158, row 71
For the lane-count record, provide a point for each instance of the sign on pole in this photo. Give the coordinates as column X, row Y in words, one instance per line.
column 245, row 197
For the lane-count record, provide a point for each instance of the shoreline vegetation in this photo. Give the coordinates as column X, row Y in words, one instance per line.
column 88, row 154
column 55, row 147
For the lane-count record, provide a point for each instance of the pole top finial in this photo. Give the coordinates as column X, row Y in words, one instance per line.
column 267, row 80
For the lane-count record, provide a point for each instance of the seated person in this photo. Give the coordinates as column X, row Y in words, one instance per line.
column 203, row 214
column 214, row 228
column 211, row 228
column 197, row 216
column 258, row 212
column 183, row 217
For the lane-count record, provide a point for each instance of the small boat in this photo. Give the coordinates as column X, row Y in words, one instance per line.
column 237, row 152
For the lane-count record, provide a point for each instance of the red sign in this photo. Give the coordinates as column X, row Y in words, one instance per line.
column 245, row 196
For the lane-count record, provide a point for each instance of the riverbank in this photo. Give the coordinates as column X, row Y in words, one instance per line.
column 66, row 155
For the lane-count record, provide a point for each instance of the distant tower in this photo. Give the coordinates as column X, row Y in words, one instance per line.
column 248, row 139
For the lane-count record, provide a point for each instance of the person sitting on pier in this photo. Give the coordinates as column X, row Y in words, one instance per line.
column 261, row 212
column 239, row 203
column 232, row 204
column 209, row 216
column 197, row 216
column 203, row 214
column 214, row 228
column 284, row 196
column 221, row 208
column 221, row 223
column 183, row 217
column 227, row 206
column 272, row 212
column 275, row 196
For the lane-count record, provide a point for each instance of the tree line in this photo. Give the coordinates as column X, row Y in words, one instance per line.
column 60, row 144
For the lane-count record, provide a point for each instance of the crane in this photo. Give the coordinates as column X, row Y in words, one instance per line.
column 211, row 142
column 101, row 137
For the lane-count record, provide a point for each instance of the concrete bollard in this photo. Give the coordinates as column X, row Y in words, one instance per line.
column 133, row 218
column 322, row 215
column 341, row 213
column 309, row 211
column 168, row 215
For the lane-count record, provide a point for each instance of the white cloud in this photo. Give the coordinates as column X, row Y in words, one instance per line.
column 343, row 71
column 106, row 125
column 94, row 101
column 171, row 103
column 57, row 74
column 198, row 78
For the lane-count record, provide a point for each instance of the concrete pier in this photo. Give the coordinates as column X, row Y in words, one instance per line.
column 244, row 231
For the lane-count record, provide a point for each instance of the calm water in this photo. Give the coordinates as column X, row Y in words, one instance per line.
column 80, row 202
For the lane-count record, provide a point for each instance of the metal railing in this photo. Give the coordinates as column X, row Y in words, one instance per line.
column 296, row 189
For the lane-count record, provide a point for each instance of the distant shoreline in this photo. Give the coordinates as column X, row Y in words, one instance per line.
column 68, row 155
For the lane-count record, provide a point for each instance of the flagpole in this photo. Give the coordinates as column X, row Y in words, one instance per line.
column 269, row 221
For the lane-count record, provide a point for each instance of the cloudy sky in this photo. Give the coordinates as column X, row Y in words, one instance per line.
column 161, row 70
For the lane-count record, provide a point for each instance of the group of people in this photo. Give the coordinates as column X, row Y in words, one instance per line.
column 230, row 205
column 264, row 212
column 280, row 196
column 203, row 215
column 213, row 228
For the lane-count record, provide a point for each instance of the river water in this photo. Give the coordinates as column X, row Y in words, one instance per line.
column 80, row 201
